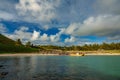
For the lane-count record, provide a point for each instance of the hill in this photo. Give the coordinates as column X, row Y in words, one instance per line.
column 6, row 40
column 9, row 46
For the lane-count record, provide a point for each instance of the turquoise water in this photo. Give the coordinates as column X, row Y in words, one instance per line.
column 60, row 68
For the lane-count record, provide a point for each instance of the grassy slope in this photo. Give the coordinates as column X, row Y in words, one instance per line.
column 8, row 46
column 5, row 40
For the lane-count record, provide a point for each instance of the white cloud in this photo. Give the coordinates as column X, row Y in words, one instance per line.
column 2, row 28
column 21, row 33
column 70, row 40
column 103, row 26
column 56, row 37
column 46, row 27
column 6, row 16
column 38, row 10
column 72, row 28
column 7, row 10
column 106, row 25
column 117, row 37
column 107, row 6
column 23, row 28
column 53, row 38
column 44, row 37
column 35, row 35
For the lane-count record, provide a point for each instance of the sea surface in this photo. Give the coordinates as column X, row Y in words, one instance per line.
column 60, row 68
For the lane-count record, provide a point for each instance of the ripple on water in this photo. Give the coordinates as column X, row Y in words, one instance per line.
column 57, row 68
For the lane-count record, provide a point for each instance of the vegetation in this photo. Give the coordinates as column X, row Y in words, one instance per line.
column 5, row 40
column 7, row 46
column 50, row 47
column 28, row 44
column 18, row 42
column 10, row 46
column 105, row 47
column 91, row 47
column 15, row 49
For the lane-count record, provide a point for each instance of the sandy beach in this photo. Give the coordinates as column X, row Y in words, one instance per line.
column 37, row 54
column 27, row 54
column 102, row 54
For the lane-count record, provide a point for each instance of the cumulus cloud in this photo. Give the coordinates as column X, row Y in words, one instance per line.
column 116, row 37
column 46, row 27
column 86, row 18
column 103, row 26
column 107, row 6
column 2, row 28
column 38, row 10
column 106, row 25
column 6, row 16
column 56, row 37
column 35, row 35
column 70, row 40
column 46, row 10
column 51, row 39
column 21, row 33
column 44, row 37
column 7, row 5
column 24, row 34
column 72, row 28
column 7, row 10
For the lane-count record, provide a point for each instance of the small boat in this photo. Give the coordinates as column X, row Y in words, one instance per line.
column 77, row 54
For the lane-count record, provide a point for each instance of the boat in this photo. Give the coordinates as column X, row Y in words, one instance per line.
column 77, row 54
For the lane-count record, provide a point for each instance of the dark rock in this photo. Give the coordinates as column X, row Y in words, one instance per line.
column 1, row 66
column 3, row 74
column 34, row 77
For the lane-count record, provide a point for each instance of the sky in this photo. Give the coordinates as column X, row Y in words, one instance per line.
column 61, row 22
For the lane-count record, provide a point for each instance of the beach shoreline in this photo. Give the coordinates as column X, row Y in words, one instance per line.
column 38, row 54
column 103, row 54
column 27, row 54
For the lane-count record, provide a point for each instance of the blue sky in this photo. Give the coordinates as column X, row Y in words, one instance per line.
column 61, row 22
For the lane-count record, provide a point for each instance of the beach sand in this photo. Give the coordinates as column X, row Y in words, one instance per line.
column 27, row 54
column 38, row 54
column 102, row 54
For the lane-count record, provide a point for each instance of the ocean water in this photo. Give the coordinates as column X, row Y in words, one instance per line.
column 60, row 68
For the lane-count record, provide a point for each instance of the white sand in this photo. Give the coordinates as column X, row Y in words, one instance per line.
column 103, row 54
column 27, row 54
column 37, row 54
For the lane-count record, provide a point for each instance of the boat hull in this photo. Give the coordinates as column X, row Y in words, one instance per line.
column 77, row 55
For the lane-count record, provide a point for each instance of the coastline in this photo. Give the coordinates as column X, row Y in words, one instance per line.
column 26, row 54
column 38, row 54
column 100, row 54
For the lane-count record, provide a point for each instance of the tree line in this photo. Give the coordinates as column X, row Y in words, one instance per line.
column 86, row 47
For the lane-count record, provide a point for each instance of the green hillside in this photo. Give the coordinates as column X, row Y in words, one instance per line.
column 5, row 40
column 9, row 46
